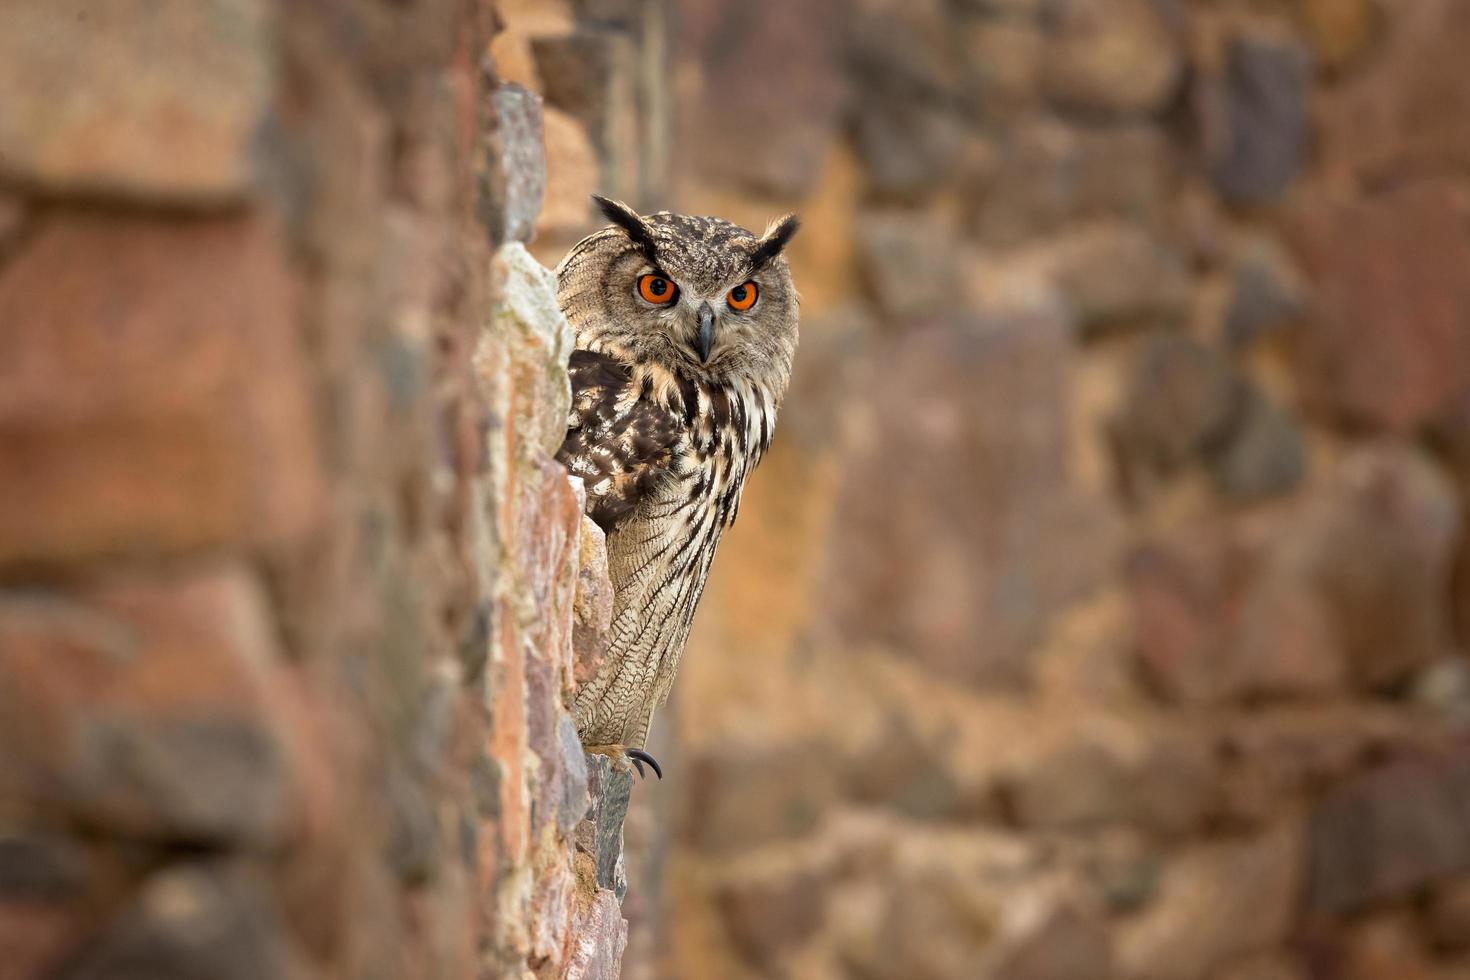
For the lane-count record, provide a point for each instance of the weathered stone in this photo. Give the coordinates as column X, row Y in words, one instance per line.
column 1257, row 119
column 767, row 916
column 1264, row 454
column 1391, row 831
column 1063, row 943
column 1080, row 784
column 1443, row 686
column 1266, row 294
column 905, row 773
column 1163, row 784
column 1340, row 30
column 600, row 936
column 1420, row 63
column 40, row 867
column 1179, row 399
column 1387, row 344
column 519, row 150
column 155, row 100
column 600, row 834
column 593, row 604
column 192, row 920
column 153, row 397
column 148, row 709
column 1117, row 274
column 1109, row 56
column 991, row 534
column 908, row 149
column 908, row 259
column 1218, row 619
column 776, row 76
column 1379, row 549
column 745, row 796
column 1050, row 174
column 1216, row 901
column 529, row 322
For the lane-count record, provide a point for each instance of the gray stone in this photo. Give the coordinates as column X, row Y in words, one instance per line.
column 1265, row 294
column 1264, row 456
column 207, row 921
column 574, row 800
column 908, row 259
column 197, row 780
column 1181, row 397
column 601, row 832
column 1259, row 142
column 520, row 164
column 909, row 149
column 40, row 867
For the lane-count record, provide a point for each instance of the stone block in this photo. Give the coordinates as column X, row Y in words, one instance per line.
column 1109, row 57
column 1387, row 341
column 1257, row 119
column 528, row 323
column 194, row 919
column 518, row 165
column 770, row 94
column 153, row 397
column 1391, row 831
column 908, row 259
column 149, row 709
column 156, row 100
column 1216, row 901
column 593, row 605
column 979, row 535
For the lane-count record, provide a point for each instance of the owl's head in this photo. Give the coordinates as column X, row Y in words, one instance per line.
column 697, row 293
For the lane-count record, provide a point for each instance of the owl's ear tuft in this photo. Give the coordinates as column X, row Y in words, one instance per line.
column 627, row 219
column 774, row 240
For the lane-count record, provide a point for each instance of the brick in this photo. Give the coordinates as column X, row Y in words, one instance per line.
column 161, row 100
column 153, row 398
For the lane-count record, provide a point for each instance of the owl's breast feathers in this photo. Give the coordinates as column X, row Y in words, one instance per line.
column 633, row 430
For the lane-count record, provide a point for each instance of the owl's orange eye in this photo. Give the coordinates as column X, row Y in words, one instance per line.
column 656, row 289
column 742, row 297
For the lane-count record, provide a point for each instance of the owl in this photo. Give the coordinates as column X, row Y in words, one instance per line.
column 686, row 330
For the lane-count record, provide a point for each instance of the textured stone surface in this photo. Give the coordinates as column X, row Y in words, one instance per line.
column 110, row 447
column 149, row 709
column 989, row 532
column 1388, row 340
column 1215, row 902
column 1257, row 141
column 161, row 101
column 1389, row 832
column 521, row 164
column 1109, row 56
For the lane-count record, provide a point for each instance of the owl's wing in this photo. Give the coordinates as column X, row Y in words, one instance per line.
column 621, row 446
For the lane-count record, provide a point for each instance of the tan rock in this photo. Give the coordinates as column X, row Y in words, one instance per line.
column 1216, row 901
column 1113, row 56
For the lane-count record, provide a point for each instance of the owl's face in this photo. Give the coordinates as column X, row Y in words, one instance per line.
column 694, row 292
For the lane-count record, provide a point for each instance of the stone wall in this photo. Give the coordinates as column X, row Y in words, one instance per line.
column 292, row 596
column 1101, row 611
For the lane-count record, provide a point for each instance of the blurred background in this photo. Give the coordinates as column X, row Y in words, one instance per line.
column 1101, row 611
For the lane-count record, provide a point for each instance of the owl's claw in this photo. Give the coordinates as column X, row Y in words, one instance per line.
column 639, row 757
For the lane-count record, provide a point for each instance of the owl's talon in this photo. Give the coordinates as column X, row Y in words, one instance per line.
column 639, row 757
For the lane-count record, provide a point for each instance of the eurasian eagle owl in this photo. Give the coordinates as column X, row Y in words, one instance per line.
column 686, row 329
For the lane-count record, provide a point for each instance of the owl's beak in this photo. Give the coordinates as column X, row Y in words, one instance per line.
column 706, row 331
